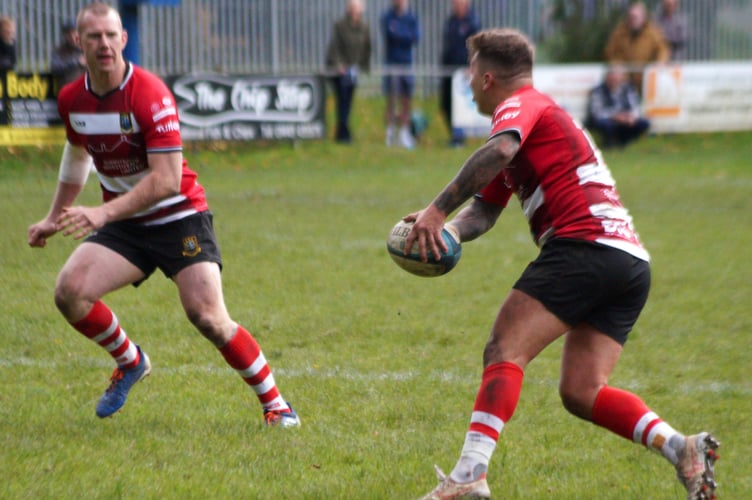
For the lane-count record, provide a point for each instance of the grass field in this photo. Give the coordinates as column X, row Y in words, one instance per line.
column 382, row 366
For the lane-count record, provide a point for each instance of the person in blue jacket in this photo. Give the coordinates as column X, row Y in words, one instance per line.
column 461, row 24
column 401, row 31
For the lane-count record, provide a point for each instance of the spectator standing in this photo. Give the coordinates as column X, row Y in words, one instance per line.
column 461, row 24
column 7, row 44
column 675, row 28
column 637, row 41
column 67, row 62
column 614, row 109
column 401, row 30
column 348, row 54
column 154, row 215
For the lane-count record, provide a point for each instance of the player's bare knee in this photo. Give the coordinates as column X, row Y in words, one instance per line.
column 575, row 402
column 66, row 296
column 210, row 325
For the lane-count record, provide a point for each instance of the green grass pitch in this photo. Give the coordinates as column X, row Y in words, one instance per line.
column 381, row 365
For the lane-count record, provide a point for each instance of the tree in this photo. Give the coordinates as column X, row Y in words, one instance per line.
column 581, row 29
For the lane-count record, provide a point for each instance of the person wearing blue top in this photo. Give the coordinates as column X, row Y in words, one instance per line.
column 614, row 110
column 461, row 24
column 401, row 33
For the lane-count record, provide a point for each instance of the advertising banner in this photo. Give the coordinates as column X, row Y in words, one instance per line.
column 247, row 108
column 699, row 97
column 567, row 84
column 676, row 98
column 28, row 110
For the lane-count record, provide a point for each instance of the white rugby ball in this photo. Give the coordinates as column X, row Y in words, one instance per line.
column 395, row 245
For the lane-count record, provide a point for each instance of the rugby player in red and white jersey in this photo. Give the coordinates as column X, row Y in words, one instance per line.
column 154, row 215
column 588, row 284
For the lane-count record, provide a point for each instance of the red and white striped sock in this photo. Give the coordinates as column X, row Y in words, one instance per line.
column 495, row 404
column 102, row 326
column 243, row 353
column 627, row 415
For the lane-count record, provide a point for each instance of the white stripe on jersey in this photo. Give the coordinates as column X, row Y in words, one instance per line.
column 610, row 211
column 120, row 184
column 126, row 184
column 104, row 123
column 595, row 172
column 535, row 201
column 487, row 419
column 172, row 217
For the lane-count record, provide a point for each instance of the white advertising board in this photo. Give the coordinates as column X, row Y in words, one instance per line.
column 567, row 84
column 699, row 97
column 691, row 97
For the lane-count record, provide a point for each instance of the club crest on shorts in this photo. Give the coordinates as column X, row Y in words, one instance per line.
column 191, row 247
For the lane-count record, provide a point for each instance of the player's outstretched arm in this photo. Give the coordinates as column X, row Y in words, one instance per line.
column 477, row 171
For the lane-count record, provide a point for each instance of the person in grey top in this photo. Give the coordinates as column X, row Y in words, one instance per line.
column 348, row 54
column 675, row 28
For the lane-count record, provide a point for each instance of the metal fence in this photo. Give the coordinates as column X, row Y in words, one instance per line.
column 290, row 36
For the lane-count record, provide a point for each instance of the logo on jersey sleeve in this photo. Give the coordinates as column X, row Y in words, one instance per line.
column 165, row 115
column 508, row 110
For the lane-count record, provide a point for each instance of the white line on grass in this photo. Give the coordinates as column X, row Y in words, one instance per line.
column 354, row 375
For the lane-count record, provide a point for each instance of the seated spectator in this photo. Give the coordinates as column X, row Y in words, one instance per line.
column 614, row 110
column 7, row 43
column 67, row 62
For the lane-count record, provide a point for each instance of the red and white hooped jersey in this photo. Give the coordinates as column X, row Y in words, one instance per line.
column 119, row 129
column 561, row 180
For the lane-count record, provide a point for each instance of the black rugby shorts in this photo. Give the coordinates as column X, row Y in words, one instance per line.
column 170, row 247
column 579, row 281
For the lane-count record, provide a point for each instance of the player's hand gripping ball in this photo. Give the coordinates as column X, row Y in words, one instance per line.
column 395, row 245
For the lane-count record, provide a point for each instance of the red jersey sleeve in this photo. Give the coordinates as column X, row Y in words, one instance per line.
column 155, row 111
column 509, row 117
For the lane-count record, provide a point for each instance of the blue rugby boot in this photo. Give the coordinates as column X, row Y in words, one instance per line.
column 121, row 382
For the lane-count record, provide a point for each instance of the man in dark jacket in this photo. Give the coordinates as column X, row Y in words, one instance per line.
column 67, row 62
column 7, row 44
column 459, row 26
column 614, row 110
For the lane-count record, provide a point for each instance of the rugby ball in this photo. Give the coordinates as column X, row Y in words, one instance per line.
column 395, row 245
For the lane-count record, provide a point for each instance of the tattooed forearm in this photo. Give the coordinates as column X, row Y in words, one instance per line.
column 477, row 171
column 476, row 219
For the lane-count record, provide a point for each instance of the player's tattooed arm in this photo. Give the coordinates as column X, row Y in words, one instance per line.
column 478, row 170
column 475, row 219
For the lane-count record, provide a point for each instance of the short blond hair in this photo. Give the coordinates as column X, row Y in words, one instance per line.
column 98, row 9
